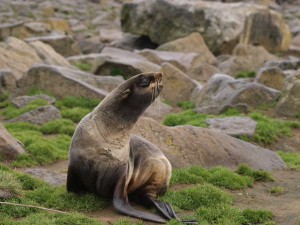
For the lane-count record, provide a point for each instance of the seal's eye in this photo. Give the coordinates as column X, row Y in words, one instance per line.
column 144, row 82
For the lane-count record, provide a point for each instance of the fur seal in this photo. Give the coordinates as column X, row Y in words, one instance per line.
column 107, row 160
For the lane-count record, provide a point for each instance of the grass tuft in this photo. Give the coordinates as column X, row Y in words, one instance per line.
column 182, row 176
column 72, row 102
column 84, row 66
column 205, row 195
column 257, row 216
column 74, row 114
column 257, row 175
column 186, row 105
column 246, row 74
column 291, row 159
column 59, row 126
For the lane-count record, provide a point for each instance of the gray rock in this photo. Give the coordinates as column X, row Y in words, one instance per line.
column 12, row 29
column 267, row 29
column 51, row 177
column 284, row 64
column 220, row 24
column 187, row 146
column 178, row 86
column 272, row 77
column 18, row 56
column 7, row 82
column 63, row 44
column 39, row 116
column 245, row 58
column 22, row 101
column 5, row 194
column 233, row 126
column 289, row 102
column 223, row 91
column 9, row 147
column 115, row 61
column 61, row 82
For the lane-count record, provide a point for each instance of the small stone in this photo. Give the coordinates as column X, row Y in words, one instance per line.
column 51, row 177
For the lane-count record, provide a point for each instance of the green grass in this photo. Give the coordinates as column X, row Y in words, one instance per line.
column 59, row 126
column 277, row 190
column 182, row 176
column 186, row 105
column 257, row 175
column 40, row 149
column 84, row 66
column 226, row 214
column 268, row 130
column 4, row 97
column 205, row 195
column 72, row 102
column 291, row 159
column 74, row 114
column 12, row 111
column 246, row 74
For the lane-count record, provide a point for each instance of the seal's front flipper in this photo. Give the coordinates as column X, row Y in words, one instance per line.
column 121, row 203
column 167, row 210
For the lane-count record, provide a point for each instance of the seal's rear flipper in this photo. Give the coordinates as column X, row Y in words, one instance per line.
column 121, row 203
column 167, row 210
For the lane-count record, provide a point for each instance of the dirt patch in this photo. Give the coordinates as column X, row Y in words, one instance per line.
column 285, row 206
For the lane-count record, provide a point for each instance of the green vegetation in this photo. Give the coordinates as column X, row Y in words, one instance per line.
column 59, row 126
column 4, row 97
column 205, row 195
column 291, row 159
column 12, row 111
column 74, row 114
column 268, row 130
column 298, row 116
column 257, row 175
column 277, row 190
column 118, row 72
column 186, row 105
column 84, row 66
column 246, row 74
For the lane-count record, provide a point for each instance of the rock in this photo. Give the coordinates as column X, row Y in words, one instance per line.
column 51, row 177
column 132, row 42
column 158, row 110
column 38, row 28
column 113, row 61
column 178, row 86
column 16, row 29
column 289, row 102
column 7, row 82
column 9, row 147
column 63, row 44
column 191, row 43
column 268, row 29
column 4, row 194
column 187, row 62
column 39, row 116
column 284, row 64
column 187, row 146
column 204, row 72
column 220, row 24
column 17, row 56
column 22, row 101
column 223, row 91
column 90, row 45
column 272, row 77
column 233, row 126
column 71, row 82
column 296, row 40
column 108, row 35
column 245, row 58
column 49, row 55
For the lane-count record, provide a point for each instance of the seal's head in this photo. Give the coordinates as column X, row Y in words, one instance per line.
column 130, row 99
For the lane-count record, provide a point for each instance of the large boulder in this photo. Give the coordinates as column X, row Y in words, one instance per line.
column 166, row 20
column 245, row 58
column 178, row 86
column 187, row 146
column 223, row 91
column 272, row 77
column 289, row 102
column 17, row 56
column 268, row 29
column 7, row 82
column 61, row 82
column 9, row 147
column 113, row 61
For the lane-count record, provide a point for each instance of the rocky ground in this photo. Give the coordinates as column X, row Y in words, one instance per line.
column 217, row 56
